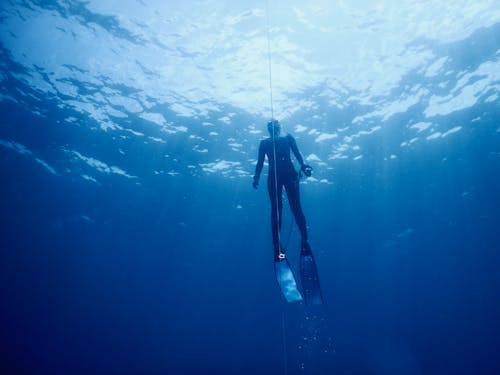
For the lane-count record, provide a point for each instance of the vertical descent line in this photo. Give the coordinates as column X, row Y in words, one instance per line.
column 269, row 59
column 280, row 254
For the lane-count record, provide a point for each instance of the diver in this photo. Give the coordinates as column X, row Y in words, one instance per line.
column 281, row 174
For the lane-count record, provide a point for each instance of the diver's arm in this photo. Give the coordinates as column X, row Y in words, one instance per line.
column 260, row 164
column 295, row 150
column 303, row 167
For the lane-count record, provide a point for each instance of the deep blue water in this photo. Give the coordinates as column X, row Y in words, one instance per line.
column 171, row 278
column 172, row 274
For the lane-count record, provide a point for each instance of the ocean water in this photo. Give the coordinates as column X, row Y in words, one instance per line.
column 132, row 241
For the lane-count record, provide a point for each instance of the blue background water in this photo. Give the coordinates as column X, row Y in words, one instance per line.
column 163, row 265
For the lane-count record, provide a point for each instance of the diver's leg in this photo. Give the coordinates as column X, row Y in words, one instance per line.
column 276, row 211
column 292, row 191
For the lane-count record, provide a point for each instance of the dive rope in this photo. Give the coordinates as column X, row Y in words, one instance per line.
column 281, row 255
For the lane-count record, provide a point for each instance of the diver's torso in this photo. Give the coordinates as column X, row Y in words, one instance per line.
column 284, row 165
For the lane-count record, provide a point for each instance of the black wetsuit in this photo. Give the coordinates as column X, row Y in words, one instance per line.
column 287, row 177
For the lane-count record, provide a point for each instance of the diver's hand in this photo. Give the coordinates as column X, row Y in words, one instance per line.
column 307, row 169
column 255, row 182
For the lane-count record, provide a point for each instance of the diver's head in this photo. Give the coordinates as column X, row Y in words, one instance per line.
column 274, row 127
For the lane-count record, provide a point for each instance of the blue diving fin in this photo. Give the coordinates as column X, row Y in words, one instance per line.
column 310, row 278
column 286, row 280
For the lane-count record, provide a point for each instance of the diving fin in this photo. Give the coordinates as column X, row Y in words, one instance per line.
column 286, row 280
column 309, row 278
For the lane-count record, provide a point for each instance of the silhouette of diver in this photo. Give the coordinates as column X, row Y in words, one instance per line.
column 286, row 176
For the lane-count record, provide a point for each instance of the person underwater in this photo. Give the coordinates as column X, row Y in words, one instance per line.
column 281, row 174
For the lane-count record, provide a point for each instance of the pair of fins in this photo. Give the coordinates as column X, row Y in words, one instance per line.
column 309, row 279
